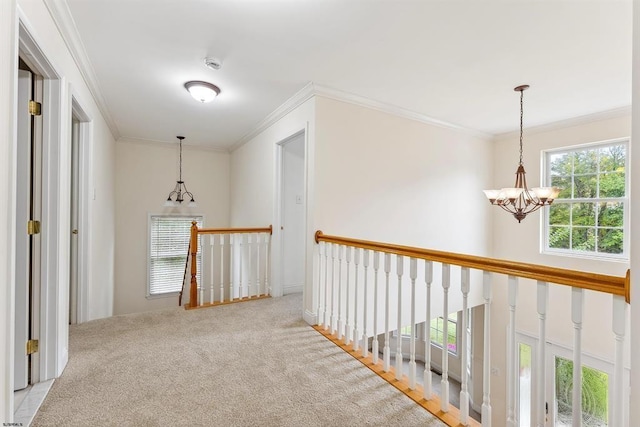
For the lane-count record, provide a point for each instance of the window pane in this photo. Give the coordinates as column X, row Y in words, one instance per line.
column 561, row 163
column 560, row 237
column 610, row 241
column 583, row 239
column 612, row 158
column 612, row 184
column 524, row 383
column 595, row 395
column 564, row 183
column 585, row 162
column 611, row 214
column 437, row 332
column 560, row 214
column 585, row 186
column 583, row 214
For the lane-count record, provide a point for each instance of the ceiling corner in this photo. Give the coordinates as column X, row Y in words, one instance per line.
column 61, row 15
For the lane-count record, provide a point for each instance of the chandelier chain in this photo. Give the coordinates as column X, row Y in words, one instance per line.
column 521, row 121
column 181, row 156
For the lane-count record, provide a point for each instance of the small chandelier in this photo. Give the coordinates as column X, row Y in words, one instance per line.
column 177, row 196
column 519, row 200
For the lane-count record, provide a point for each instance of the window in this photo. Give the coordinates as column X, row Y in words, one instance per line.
column 437, row 330
column 589, row 215
column 168, row 245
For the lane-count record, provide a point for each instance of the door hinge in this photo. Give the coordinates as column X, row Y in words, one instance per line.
column 32, row 346
column 35, row 108
column 33, row 227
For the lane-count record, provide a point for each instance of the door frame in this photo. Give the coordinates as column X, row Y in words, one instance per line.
column 277, row 287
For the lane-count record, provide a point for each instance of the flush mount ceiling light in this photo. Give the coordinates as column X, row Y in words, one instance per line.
column 202, row 91
column 176, row 197
column 519, row 200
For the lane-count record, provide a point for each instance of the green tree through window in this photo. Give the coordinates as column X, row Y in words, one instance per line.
column 588, row 216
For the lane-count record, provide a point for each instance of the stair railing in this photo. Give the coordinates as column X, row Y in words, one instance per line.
column 239, row 264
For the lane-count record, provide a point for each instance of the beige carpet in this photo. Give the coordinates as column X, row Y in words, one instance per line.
column 250, row 364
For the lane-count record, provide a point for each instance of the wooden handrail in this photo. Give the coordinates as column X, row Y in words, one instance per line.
column 614, row 285
column 193, row 244
column 235, row 230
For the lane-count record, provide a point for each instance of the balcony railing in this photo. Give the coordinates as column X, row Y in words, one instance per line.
column 366, row 290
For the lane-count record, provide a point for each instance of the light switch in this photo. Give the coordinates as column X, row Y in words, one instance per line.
column 298, row 200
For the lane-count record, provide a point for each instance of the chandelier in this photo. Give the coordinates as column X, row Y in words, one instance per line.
column 520, row 200
column 177, row 196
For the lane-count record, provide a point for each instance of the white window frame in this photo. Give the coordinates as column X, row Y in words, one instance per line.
column 458, row 323
column 544, row 217
column 199, row 218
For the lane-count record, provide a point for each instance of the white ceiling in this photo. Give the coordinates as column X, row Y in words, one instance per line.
column 454, row 61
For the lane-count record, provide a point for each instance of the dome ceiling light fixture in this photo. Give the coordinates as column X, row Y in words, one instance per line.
column 519, row 200
column 202, row 91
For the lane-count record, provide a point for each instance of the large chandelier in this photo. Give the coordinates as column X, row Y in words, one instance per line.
column 177, row 196
column 519, row 200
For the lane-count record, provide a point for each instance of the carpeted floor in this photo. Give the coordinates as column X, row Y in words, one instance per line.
column 250, row 364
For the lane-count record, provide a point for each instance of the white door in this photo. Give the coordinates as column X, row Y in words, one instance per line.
column 293, row 215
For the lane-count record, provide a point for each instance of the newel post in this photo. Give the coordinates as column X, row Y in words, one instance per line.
column 193, row 291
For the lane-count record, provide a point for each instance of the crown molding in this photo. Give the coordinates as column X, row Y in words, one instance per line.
column 128, row 140
column 614, row 113
column 59, row 11
column 351, row 98
column 299, row 98
column 313, row 89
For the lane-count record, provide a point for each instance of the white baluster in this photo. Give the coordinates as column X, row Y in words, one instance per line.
column 249, row 251
column 356, row 331
column 399, row 272
column 340, row 318
column 386, row 351
column 511, row 351
column 319, row 310
column 540, row 403
column 619, row 321
column 334, row 320
column 212, row 242
column 375, row 344
column 232, row 259
column 327, row 248
column 486, row 365
column 365, row 338
column 427, row 381
column 464, row 387
column 347, row 336
column 222, row 268
column 413, row 274
column 258, row 243
column 241, row 257
column 444, row 387
column 267, row 264
column 577, row 306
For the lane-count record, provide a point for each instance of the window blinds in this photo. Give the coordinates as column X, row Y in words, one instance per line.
column 169, row 242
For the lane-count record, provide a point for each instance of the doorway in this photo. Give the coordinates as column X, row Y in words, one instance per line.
column 292, row 213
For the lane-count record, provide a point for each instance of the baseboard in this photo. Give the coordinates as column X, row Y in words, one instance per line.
column 310, row 317
column 292, row 289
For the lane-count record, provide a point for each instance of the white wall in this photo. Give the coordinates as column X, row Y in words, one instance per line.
column 146, row 173
column 521, row 242
column 37, row 19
